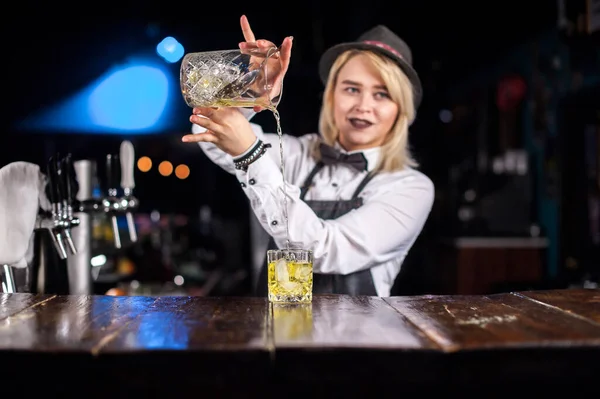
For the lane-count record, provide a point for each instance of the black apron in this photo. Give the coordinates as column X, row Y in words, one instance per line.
column 358, row 283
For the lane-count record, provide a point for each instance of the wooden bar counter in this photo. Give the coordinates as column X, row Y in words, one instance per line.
column 94, row 346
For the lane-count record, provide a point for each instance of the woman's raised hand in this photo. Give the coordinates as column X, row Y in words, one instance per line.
column 283, row 56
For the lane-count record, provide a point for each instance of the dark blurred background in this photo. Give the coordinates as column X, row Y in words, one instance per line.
column 509, row 131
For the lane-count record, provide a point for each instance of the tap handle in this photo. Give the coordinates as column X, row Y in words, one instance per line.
column 62, row 180
column 70, row 179
column 112, row 171
column 127, row 155
column 52, row 186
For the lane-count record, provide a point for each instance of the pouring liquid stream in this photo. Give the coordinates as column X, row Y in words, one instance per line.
column 285, row 206
column 273, row 109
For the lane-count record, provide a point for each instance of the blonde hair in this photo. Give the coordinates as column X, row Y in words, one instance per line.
column 395, row 152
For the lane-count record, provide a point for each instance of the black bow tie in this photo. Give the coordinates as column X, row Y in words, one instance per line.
column 330, row 155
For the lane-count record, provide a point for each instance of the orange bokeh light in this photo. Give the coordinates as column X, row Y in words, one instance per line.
column 182, row 171
column 144, row 164
column 165, row 168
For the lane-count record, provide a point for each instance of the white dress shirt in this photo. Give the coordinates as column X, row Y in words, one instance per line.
column 376, row 236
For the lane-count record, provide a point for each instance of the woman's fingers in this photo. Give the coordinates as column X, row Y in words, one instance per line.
column 206, row 137
column 246, row 30
column 261, row 45
column 286, row 52
column 205, row 111
column 217, row 115
column 204, row 122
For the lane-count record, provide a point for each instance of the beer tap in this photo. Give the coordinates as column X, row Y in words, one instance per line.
column 72, row 188
column 59, row 224
column 111, row 203
column 118, row 167
column 128, row 203
column 68, row 187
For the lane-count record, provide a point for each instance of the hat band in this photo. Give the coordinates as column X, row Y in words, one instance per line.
column 384, row 46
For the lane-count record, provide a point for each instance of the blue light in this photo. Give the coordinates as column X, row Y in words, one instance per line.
column 170, row 49
column 132, row 98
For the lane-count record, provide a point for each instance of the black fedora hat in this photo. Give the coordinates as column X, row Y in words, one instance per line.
column 381, row 40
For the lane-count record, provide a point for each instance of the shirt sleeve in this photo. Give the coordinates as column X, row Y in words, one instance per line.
column 379, row 231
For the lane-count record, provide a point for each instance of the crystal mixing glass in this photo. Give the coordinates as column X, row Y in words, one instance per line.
column 230, row 78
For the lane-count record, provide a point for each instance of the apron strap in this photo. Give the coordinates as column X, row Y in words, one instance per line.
column 363, row 183
column 309, row 179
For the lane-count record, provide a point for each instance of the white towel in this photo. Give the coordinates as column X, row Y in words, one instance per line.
column 22, row 193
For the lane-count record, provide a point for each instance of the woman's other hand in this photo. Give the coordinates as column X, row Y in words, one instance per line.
column 226, row 127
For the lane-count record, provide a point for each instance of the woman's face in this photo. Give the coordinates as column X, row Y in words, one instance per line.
column 363, row 111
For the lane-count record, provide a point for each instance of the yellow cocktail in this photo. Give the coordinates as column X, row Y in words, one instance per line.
column 290, row 274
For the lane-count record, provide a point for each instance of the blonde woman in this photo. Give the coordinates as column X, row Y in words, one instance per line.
column 353, row 193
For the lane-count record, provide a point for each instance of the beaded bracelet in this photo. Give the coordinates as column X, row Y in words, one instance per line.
column 257, row 151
